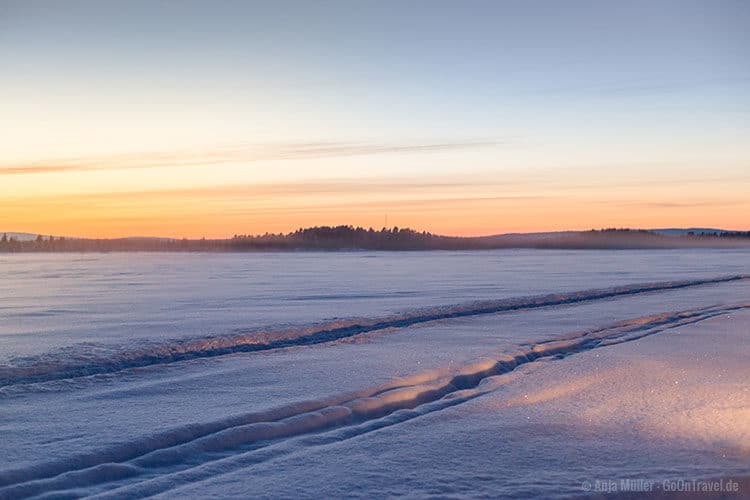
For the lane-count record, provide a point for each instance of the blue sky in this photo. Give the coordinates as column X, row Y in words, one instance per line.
column 543, row 96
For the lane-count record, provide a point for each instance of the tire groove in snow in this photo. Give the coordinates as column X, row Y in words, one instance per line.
column 347, row 416
column 48, row 368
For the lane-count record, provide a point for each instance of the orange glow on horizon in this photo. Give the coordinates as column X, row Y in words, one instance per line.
column 221, row 216
column 138, row 196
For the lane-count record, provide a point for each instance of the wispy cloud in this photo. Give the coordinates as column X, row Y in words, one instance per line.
column 691, row 204
column 639, row 88
column 236, row 154
column 344, row 193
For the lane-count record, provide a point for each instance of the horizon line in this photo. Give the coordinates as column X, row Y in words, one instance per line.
column 513, row 233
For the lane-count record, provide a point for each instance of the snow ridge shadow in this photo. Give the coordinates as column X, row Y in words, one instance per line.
column 165, row 460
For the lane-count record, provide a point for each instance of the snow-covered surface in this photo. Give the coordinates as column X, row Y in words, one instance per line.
column 440, row 373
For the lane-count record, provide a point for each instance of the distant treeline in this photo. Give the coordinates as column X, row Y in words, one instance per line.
column 723, row 234
column 315, row 238
column 615, row 238
column 353, row 238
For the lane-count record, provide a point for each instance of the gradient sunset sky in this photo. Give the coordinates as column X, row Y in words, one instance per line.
column 466, row 117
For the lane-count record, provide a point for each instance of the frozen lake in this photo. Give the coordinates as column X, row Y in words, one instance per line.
column 369, row 373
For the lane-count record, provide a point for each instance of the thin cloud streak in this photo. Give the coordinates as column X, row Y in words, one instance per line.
column 643, row 88
column 333, row 187
column 237, row 154
column 681, row 205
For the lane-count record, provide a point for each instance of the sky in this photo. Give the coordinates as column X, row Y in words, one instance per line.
column 193, row 119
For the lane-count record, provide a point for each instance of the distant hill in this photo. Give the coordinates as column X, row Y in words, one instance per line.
column 527, row 236
column 145, row 238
